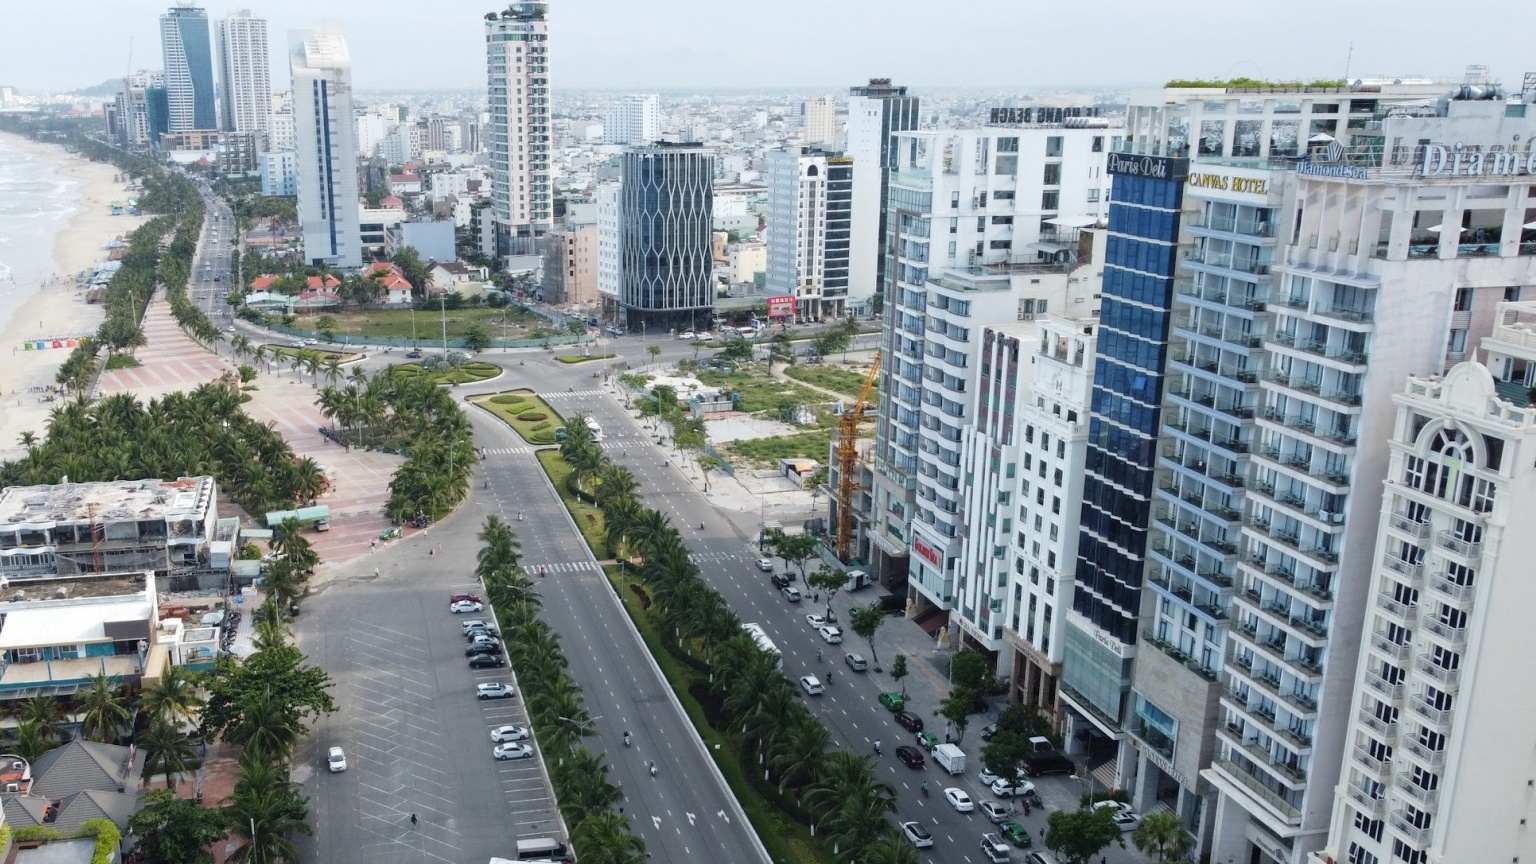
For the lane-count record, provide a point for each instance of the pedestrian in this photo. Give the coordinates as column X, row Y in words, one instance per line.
column 413, row 819
column 816, row 598
column 373, row 546
column 375, row 572
column 431, row 552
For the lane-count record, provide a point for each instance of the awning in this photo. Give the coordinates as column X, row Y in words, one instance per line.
column 1073, row 221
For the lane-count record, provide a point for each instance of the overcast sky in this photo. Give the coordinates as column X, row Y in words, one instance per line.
column 704, row 44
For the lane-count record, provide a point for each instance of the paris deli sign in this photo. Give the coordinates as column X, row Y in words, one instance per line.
column 1458, row 161
column 1152, row 167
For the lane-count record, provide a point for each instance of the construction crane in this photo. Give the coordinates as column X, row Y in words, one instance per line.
column 847, row 464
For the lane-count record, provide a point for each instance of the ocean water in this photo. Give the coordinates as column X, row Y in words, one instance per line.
column 36, row 203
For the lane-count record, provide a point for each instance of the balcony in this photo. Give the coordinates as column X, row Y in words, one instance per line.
column 1282, row 807
column 1416, row 530
column 1456, row 637
column 1457, row 593
column 1430, row 758
column 1397, row 652
column 1400, row 824
column 1376, row 724
column 1464, row 548
column 1347, row 314
column 1233, row 225
column 1227, row 261
column 1364, row 802
column 1400, row 612
column 1411, row 571
column 1426, row 798
column 1385, row 690
column 1188, row 662
column 1375, row 767
column 1448, row 679
column 1213, row 294
column 1440, row 718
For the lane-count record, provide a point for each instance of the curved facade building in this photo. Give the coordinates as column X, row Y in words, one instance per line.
column 666, row 208
column 188, row 50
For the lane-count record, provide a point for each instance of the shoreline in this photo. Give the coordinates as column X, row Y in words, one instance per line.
column 57, row 307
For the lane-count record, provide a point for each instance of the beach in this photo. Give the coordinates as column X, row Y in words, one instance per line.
column 59, row 223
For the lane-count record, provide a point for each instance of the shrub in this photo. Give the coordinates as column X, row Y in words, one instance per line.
column 539, row 427
column 508, row 399
column 532, row 416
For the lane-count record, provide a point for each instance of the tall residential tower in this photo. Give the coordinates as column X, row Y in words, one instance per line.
column 325, row 147
column 245, row 78
column 875, row 112
column 518, row 133
column 188, row 52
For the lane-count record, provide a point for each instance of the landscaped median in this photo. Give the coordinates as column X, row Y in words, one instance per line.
column 569, row 359
column 588, row 518
column 527, row 414
column 464, row 373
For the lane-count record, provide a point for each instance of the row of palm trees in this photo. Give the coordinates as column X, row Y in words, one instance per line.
column 587, row 800
column 178, row 435
column 837, row 791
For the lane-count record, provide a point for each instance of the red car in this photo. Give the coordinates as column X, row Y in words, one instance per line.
column 465, row 595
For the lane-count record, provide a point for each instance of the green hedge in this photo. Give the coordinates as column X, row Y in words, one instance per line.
column 508, row 399
column 532, row 416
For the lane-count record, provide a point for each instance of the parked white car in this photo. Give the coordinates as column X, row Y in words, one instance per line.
column 336, row 760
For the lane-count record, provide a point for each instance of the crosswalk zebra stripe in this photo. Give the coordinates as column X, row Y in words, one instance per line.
column 562, row 567
column 569, row 393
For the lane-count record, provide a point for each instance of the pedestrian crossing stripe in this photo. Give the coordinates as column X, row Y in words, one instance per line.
column 509, row 451
column 697, row 557
column 570, row 393
column 563, row 567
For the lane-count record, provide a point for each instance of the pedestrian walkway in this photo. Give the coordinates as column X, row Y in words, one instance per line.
column 570, row 394
column 532, row 568
column 508, row 451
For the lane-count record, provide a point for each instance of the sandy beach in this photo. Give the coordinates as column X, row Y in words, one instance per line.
column 58, row 308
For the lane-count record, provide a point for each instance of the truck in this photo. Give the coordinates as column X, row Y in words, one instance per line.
column 857, row 579
column 950, row 758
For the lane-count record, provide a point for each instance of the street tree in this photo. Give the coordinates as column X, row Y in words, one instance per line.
column 1161, row 832
column 654, row 351
column 301, row 692
column 476, row 338
column 865, row 620
column 102, row 710
column 175, row 830
column 796, row 549
column 899, row 671
column 1076, row 836
column 1004, row 755
column 956, row 708
column 828, row 580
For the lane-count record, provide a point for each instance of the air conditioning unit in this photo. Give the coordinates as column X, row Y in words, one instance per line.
column 13, row 787
column 18, row 765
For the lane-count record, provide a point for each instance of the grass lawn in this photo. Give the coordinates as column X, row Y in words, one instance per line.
column 757, row 391
column 588, row 518
column 464, row 373
column 511, row 407
column 841, row 379
column 577, row 358
column 396, row 323
column 785, row 840
column 766, row 452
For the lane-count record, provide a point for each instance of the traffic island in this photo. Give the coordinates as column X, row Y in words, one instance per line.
column 528, row 415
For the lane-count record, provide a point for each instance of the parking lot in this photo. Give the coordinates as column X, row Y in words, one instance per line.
column 416, row 736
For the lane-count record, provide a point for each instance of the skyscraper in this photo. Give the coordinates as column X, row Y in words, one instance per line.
column 635, row 119
column 188, row 51
column 245, row 78
column 809, row 204
column 327, row 154
column 666, row 210
column 518, row 134
column 874, row 113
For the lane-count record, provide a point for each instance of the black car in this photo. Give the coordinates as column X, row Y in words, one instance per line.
column 483, row 648
column 486, row 661
column 413, row 354
column 1048, row 763
column 910, row 756
column 471, row 633
column 909, row 721
column 988, row 731
column 780, row 580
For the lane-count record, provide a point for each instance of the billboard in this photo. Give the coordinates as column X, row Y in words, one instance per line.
column 782, row 306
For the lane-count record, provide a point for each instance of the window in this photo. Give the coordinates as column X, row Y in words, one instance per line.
column 1463, row 300
column 1002, row 220
column 1098, row 143
column 1003, row 195
column 1358, row 855
column 1050, row 200
column 1093, row 196
column 1007, row 145
column 1052, row 174
column 1005, row 165
column 1053, row 147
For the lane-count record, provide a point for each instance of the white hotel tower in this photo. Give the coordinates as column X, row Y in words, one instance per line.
column 326, row 148
column 1440, row 764
column 518, row 133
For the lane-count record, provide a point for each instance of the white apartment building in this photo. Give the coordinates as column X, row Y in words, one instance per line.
column 132, row 105
column 996, row 215
column 1432, row 772
column 635, row 119
column 820, row 115
column 1025, row 452
column 1318, row 276
column 280, row 174
column 245, row 76
column 607, row 198
column 518, row 133
column 327, row 155
column 372, row 128
column 280, row 130
column 875, row 112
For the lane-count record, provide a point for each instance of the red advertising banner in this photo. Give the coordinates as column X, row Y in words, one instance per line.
column 782, row 306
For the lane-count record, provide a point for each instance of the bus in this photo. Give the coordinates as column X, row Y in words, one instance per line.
column 765, row 643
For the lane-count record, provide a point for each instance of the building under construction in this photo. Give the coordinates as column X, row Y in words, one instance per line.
column 130, row 526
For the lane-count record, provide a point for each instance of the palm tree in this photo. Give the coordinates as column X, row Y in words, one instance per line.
column 891, row 848
column 102, row 710
column 267, row 810
column 605, row 839
column 174, row 697
column 268, row 723
column 615, row 482
column 166, row 751
column 581, row 786
column 805, row 752
column 31, row 740
column 45, row 712
column 1162, row 832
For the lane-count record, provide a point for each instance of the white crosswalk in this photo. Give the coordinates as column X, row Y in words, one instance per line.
column 562, row 567
column 509, row 451
column 719, row 557
column 570, row 394
column 626, row 443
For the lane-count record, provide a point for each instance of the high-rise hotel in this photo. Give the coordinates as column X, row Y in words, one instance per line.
column 325, row 148
column 1331, row 244
column 518, row 135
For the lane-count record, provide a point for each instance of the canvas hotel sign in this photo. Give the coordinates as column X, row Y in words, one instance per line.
column 1237, row 183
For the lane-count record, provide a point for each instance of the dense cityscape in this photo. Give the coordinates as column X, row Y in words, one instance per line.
column 879, row 474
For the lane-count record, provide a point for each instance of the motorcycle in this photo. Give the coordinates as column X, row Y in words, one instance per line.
column 626, row 739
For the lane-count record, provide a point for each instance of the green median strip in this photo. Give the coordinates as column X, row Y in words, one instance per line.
column 528, row 415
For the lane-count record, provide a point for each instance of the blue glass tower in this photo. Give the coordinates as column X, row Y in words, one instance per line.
column 1140, row 261
column 187, row 45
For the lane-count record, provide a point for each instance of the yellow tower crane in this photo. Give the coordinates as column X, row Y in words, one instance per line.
column 847, row 465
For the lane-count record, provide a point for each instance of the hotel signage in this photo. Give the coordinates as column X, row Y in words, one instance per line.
column 926, row 551
column 1155, row 167
column 1037, row 114
column 1455, row 161
column 1230, row 183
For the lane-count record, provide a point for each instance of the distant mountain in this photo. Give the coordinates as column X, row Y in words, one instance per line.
column 105, row 88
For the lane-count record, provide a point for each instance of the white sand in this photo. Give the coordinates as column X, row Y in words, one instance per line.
column 57, row 309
